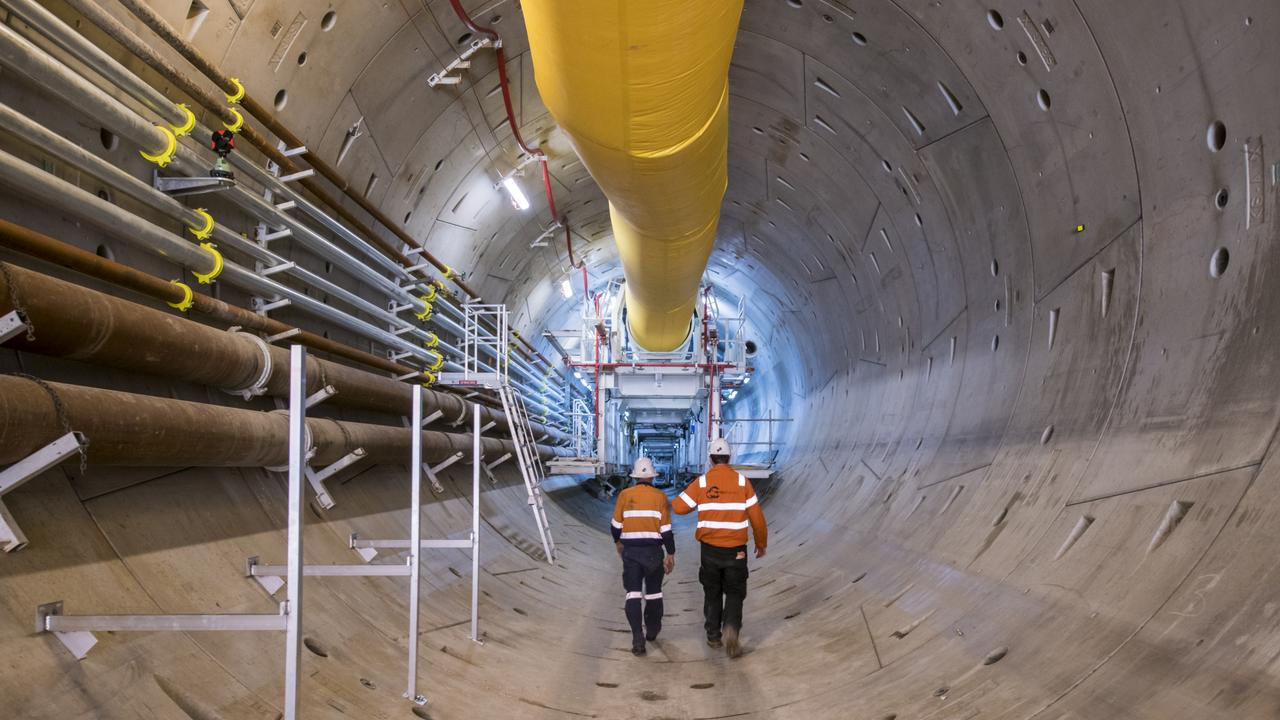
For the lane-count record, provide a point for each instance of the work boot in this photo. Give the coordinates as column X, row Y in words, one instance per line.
column 732, row 648
column 637, row 649
column 714, row 642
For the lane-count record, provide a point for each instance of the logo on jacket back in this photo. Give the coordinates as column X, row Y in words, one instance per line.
column 713, row 492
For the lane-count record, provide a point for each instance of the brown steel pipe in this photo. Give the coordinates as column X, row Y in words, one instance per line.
column 82, row 324
column 37, row 245
column 139, row 430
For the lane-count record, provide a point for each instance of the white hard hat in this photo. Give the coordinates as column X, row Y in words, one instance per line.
column 719, row 446
column 643, row 469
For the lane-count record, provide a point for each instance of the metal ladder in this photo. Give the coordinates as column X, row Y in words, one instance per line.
column 530, row 463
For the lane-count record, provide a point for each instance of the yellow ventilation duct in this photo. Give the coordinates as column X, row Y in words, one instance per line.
column 641, row 87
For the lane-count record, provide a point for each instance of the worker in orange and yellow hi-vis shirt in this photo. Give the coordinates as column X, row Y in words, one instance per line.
column 726, row 505
column 641, row 529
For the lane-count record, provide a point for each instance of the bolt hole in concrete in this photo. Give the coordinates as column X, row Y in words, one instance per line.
column 995, row 268
column 606, row 685
column 282, row 99
column 995, row 656
column 1046, row 435
column 702, row 686
column 108, row 139
column 757, row 130
column 419, row 712
column 1216, row 135
column 495, row 19
column 828, row 19
column 1043, row 99
column 408, row 215
column 995, row 19
column 788, row 617
column 302, row 58
column 859, row 38
column 105, row 252
column 651, row 696
column 1218, row 262
column 1221, row 198
column 315, row 647
column 1022, row 58
column 941, row 692
column 368, row 683
column 464, row 38
column 995, row 343
column 887, row 167
column 105, row 194
column 519, row 611
column 795, row 3
column 329, row 20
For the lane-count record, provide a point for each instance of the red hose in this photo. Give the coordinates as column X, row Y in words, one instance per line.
column 511, row 117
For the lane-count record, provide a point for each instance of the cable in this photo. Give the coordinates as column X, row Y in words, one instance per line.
column 511, row 121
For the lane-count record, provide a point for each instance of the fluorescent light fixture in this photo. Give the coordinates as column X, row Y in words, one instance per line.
column 518, row 199
column 566, row 288
column 746, row 380
column 577, row 374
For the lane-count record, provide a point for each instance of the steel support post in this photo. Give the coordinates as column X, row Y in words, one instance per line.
column 415, row 547
column 475, row 525
column 297, row 480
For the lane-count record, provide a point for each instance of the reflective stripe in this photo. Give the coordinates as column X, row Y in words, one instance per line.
column 702, row 481
column 688, row 500
column 641, row 536
column 752, row 501
column 665, row 528
column 642, row 513
column 616, row 524
column 742, row 480
column 716, row 525
column 634, row 595
column 722, row 506
column 655, row 596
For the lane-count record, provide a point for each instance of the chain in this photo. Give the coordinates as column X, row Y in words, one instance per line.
column 16, row 302
column 60, row 410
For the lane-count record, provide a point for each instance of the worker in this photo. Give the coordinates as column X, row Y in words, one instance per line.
column 641, row 530
column 726, row 505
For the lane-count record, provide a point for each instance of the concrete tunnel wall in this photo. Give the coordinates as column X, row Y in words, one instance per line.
column 1031, row 471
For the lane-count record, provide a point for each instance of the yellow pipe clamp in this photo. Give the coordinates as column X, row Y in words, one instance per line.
column 218, row 263
column 163, row 157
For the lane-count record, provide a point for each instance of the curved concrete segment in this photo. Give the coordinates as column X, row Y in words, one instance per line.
column 1010, row 270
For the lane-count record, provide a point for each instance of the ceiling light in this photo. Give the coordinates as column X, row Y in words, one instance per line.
column 746, row 380
column 518, row 199
column 566, row 288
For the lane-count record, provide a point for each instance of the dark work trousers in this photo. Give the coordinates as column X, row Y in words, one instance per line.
column 642, row 578
column 724, row 585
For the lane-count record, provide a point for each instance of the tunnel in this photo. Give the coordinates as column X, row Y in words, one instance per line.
column 1002, row 269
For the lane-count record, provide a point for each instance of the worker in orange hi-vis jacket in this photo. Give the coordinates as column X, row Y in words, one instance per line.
column 726, row 505
column 641, row 530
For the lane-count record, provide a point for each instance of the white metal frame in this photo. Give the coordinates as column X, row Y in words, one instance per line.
column 415, row 543
column 11, row 325
column 477, row 337
column 20, row 472
column 72, row 629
